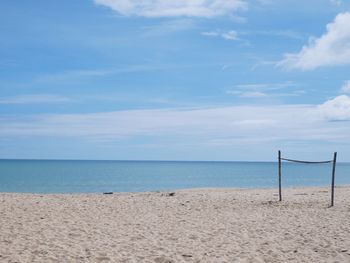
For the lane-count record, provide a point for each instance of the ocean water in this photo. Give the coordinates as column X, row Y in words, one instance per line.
column 43, row 176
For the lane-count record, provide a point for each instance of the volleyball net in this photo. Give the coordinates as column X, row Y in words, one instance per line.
column 333, row 162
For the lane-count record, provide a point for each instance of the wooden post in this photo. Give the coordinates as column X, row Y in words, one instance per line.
column 333, row 178
column 279, row 176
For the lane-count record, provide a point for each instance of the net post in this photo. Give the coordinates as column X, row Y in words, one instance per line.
column 279, row 176
column 333, row 178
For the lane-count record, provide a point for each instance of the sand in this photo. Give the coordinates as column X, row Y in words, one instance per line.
column 203, row 225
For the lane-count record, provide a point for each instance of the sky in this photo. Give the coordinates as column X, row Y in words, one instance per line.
column 230, row 80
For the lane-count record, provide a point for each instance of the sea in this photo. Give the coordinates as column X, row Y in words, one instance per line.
column 61, row 176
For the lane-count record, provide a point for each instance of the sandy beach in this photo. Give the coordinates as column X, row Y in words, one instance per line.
column 202, row 225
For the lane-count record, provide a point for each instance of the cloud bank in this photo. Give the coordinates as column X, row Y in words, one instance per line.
column 169, row 8
column 200, row 125
column 331, row 49
column 337, row 109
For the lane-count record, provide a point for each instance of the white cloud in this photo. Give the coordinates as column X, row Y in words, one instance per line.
column 346, row 87
column 228, row 35
column 333, row 48
column 337, row 109
column 248, row 94
column 34, row 99
column 170, row 8
column 267, row 86
column 264, row 90
column 196, row 126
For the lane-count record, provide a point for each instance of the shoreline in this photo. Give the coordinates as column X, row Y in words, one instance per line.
column 192, row 225
column 180, row 190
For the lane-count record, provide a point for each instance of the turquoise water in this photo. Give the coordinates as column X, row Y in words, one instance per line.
column 42, row 176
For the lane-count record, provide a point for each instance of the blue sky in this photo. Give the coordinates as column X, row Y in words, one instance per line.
column 174, row 80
